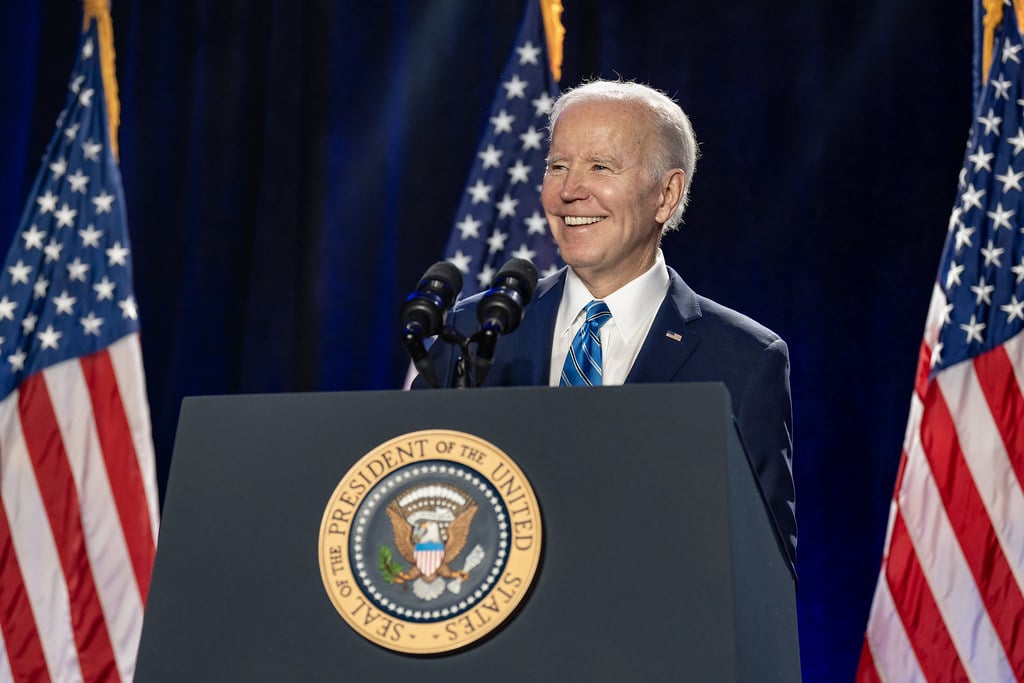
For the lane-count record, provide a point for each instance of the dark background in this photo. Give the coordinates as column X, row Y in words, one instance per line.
column 292, row 167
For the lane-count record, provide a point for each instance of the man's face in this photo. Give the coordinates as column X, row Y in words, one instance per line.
column 604, row 209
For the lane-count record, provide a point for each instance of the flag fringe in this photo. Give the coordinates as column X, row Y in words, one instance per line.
column 551, row 10
column 100, row 11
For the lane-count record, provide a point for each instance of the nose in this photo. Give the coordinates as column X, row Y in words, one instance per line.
column 573, row 187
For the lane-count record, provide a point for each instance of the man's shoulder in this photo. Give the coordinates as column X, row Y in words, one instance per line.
column 739, row 323
column 715, row 318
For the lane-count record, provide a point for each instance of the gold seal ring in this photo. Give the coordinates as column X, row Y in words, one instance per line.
column 430, row 542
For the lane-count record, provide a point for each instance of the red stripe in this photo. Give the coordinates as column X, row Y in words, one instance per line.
column 866, row 672
column 971, row 524
column 924, row 368
column 21, row 638
column 999, row 383
column 60, row 498
column 916, row 606
column 126, row 480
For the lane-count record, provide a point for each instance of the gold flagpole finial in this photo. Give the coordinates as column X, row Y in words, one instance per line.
column 555, row 32
column 100, row 11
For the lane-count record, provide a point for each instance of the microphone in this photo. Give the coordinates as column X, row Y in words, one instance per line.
column 424, row 310
column 501, row 309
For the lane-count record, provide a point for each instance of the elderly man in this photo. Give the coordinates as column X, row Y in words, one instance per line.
column 619, row 170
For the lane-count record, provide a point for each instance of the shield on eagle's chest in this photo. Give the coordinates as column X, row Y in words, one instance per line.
column 429, row 557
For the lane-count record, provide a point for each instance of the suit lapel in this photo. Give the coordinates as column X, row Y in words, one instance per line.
column 672, row 338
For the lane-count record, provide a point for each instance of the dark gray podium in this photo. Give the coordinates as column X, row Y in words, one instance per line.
column 659, row 560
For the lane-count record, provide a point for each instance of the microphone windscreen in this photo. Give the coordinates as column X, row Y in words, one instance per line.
column 443, row 278
column 518, row 273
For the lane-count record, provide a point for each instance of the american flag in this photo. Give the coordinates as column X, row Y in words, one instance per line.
column 949, row 602
column 500, row 216
column 78, row 519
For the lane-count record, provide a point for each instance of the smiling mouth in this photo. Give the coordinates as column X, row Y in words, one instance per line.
column 582, row 220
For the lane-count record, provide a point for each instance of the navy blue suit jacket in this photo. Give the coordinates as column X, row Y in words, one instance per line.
column 715, row 344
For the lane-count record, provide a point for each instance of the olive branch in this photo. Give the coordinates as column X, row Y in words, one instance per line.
column 387, row 566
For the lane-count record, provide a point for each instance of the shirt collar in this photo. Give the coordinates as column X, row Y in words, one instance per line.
column 632, row 305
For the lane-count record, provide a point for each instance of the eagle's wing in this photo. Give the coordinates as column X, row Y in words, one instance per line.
column 458, row 532
column 403, row 533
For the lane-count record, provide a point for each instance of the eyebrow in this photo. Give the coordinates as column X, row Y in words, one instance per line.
column 603, row 159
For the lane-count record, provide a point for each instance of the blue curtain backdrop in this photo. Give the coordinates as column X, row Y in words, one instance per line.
column 291, row 168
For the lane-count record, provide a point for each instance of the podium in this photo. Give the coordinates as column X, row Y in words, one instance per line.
column 659, row 560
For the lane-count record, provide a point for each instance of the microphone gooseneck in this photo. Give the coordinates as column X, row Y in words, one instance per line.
column 499, row 311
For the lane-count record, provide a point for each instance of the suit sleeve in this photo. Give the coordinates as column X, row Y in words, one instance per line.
column 766, row 428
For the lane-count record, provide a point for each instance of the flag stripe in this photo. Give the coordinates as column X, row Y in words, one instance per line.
column 126, row 359
column 984, row 435
column 49, row 460
column 920, row 508
column 35, row 548
column 6, row 674
column 912, row 597
column 105, row 539
column 122, row 465
column 892, row 657
column 866, row 670
column 16, row 622
column 1003, row 394
column 950, row 461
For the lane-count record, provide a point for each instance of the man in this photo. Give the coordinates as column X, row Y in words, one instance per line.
column 620, row 165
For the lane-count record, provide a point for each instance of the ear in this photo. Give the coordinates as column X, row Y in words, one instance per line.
column 672, row 186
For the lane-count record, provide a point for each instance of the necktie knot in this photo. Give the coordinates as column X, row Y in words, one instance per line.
column 597, row 314
column 583, row 363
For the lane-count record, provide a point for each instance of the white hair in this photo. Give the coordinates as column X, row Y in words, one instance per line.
column 675, row 144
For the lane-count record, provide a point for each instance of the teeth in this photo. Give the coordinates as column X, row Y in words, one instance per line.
column 582, row 220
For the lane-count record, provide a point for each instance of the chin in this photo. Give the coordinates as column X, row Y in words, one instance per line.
column 578, row 256
column 577, row 262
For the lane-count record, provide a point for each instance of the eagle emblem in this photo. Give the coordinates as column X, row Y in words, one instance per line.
column 431, row 525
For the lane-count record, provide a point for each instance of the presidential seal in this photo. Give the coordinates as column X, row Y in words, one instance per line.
column 430, row 542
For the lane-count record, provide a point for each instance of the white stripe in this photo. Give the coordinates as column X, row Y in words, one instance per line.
column 988, row 462
column 104, row 539
column 947, row 572
column 126, row 357
column 35, row 547
column 890, row 648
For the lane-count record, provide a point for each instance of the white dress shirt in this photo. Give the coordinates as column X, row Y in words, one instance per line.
column 633, row 308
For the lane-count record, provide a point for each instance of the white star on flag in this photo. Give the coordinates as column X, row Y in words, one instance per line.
column 503, row 183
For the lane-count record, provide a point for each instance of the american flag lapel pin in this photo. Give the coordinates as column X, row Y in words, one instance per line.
column 674, row 336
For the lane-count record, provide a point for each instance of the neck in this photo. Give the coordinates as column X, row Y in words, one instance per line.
column 601, row 284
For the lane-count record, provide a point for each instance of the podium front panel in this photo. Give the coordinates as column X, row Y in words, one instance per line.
column 659, row 560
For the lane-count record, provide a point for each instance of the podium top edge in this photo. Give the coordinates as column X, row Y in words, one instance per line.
column 683, row 387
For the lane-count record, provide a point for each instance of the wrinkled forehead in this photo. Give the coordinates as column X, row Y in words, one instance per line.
column 602, row 127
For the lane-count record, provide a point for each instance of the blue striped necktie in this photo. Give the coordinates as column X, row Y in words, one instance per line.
column 583, row 363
